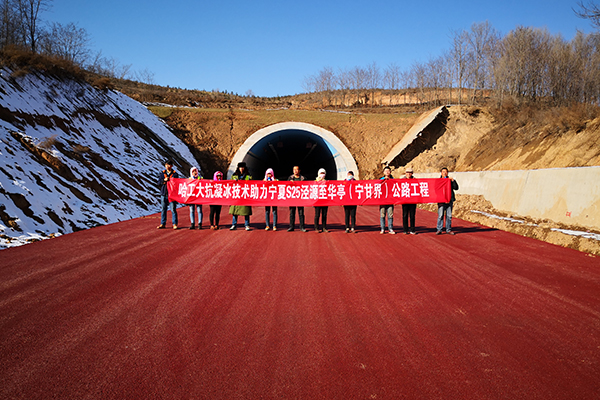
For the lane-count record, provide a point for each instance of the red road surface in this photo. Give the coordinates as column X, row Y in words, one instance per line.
column 125, row 311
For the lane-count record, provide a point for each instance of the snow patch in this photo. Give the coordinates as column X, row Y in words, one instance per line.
column 100, row 167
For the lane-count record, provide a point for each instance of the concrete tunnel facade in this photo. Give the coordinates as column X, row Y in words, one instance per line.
column 283, row 145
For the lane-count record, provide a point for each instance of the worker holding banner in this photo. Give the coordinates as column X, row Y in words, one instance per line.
column 387, row 209
column 409, row 210
column 270, row 177
column 163, row 181
column 296, row 177
column 321, row 210
column 241, row 174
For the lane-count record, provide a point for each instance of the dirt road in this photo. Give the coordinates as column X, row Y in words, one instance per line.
column 126, row 311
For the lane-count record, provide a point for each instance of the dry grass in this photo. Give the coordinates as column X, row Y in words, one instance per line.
column 24, row 62
column 48, row 143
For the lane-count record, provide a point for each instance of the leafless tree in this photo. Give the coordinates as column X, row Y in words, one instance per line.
column 482, row 41
column 326, row 82
column 344, row 83
column 29, row 13
column 419, row 77
column 10, row 28
column 589, row 10
column 68, row 42
column 145, row 76
column 358, row 79
column 435, row 79
column 373, row 77
column 406, row 77
column 391, row 79
column 460, row 58
column 109, row 67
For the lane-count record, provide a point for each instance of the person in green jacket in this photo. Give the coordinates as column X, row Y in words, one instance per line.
column 242, row 174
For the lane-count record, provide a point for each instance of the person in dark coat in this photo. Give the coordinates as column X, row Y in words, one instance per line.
column 446, row 207
column 163, row 179
column 350, row 211
column 409, row 210
column 215, row 209
column 387, row 210
column 296, row 177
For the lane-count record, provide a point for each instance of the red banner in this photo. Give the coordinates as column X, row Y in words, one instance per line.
column 310, row 193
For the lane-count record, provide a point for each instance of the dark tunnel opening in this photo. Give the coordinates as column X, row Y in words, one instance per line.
column 283, row 149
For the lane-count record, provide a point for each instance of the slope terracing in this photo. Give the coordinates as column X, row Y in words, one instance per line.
column 75, row 157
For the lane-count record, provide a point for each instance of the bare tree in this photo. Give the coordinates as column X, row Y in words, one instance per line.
column 419, row 78
column 482, row 40
column 68, row 42
column 326, row 82
column 10, row 28
column 109, row 67
column 391, row 79
column 145, row 76
column 373, row 79
column 344, row 83
column 309, row 84
column 590, row 11
column 358, row 79
column 406, row 77
column 435, row 79
column 460, row 58
column 29, row 12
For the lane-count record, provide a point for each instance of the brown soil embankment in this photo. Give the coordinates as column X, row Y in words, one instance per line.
column 482, row 139
column 214, row 135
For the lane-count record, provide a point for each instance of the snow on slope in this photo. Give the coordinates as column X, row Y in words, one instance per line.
column 74, row 157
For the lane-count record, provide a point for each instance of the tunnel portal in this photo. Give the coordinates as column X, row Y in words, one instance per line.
column 284, row 149
column 283, row 145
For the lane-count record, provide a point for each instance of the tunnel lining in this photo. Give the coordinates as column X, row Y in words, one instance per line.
column 342, row 158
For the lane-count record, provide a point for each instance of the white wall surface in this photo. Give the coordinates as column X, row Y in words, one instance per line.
column 567, row 195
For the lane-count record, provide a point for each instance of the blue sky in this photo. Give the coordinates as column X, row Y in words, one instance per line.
column 269, row 47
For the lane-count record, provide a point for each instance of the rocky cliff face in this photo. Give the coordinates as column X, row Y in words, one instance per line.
column 74, row 157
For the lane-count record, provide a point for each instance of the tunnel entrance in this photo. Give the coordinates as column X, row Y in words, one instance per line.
column 284, row 149
column 283, row 145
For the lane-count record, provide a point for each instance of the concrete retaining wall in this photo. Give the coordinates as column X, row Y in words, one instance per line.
column 566, row 195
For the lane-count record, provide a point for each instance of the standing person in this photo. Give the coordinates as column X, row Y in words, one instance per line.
column 215, row 209
column 164, row 178
column 320, row 210
column 296, row 177
column 270, row 177
column 195, row 175
column 241, row 174
column 446, row 207
column 387, row 209
column 409, row 210
column 350, row 211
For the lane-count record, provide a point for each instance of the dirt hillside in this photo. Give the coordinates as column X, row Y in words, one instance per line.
column 480, row 139
column 214, row 135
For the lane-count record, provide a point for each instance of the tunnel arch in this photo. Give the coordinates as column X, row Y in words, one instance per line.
column 281, row 146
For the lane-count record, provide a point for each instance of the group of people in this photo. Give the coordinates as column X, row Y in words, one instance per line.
column 386, row 211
